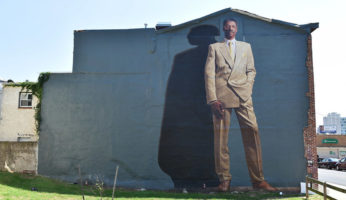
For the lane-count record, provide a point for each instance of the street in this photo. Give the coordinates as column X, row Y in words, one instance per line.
column 333, row 177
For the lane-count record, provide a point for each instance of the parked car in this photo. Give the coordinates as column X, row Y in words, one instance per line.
column 329, row 163
column 341, row 164
column 319, row 159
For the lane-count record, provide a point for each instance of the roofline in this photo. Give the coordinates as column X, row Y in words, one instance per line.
column 310, row 26
column 195, row 21
column 305, row 27
column 125, row 29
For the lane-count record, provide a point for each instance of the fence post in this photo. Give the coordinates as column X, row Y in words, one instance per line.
column 324, row 191
column 306, row 187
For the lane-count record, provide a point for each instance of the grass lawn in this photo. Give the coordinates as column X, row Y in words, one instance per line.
column 18, row 186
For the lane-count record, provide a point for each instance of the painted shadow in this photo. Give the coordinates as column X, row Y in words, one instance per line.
column 186, row 151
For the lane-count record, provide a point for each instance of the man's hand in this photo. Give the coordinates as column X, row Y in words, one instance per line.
column 217, row 109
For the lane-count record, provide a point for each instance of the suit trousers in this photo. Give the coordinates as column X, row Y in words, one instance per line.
column 251, row 142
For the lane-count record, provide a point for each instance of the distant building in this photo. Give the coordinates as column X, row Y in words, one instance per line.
column 343, row 125
column 332, row 120
column 327, row 129
column 331, row 146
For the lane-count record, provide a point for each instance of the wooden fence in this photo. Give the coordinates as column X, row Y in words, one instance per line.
column 309, row 186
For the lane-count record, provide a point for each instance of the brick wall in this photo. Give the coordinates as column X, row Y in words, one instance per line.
column 310, row 130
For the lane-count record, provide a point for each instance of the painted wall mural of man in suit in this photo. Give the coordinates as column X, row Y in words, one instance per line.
column 229, row 79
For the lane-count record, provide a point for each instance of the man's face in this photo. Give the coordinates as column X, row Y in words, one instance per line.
column 230, row 29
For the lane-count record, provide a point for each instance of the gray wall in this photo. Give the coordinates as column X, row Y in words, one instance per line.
column 99, row 121
column 108, row 112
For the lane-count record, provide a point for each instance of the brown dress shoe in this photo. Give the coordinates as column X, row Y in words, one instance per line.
column 264, row 186
column 224, row 186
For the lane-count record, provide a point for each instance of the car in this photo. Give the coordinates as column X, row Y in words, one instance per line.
column 329, row 163
column 319, row 159
column 341, row 164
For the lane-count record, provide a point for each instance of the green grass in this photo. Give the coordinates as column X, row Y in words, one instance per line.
column 18, row 186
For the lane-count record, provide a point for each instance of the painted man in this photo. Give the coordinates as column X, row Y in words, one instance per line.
column 229, row 79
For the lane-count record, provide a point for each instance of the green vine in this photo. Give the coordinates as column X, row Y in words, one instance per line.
column 37, row 89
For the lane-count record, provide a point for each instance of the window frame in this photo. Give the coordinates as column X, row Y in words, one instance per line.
column 28, row 100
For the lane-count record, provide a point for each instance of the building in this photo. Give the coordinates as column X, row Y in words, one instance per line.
column 18, row 135
column 331, row 142
column 343, row 125
column 1, row 82
column 332, row 120
column 17, row 115
column 327, row 129
column 331, row 146
column 128, row 84
column 333, row 123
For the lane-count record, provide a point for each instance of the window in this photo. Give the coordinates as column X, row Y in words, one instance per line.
column 25, row 99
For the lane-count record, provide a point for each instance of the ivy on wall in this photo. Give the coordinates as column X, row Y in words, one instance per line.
column 37, row 89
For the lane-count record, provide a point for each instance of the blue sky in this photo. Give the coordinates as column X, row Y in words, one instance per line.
column 37, row 36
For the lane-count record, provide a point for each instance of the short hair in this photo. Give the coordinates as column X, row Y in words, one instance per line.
column 231, row 20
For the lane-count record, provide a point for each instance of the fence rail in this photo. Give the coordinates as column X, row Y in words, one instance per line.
column 311, row 181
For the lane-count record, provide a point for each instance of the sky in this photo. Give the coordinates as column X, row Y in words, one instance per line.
column 37, row 36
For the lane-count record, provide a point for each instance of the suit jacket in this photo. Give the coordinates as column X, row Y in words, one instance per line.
column 226, row 80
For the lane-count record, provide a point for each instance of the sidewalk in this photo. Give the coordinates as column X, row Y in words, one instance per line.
column 333, row 193
column 335, row 178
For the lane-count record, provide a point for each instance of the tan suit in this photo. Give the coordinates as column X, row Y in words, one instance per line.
column 230, row 81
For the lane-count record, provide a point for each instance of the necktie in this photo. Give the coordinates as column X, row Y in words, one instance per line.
column 230, row 48
column 230, row 51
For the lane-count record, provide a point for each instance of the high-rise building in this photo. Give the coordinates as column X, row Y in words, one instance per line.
column 343, row 125
column 333, row 120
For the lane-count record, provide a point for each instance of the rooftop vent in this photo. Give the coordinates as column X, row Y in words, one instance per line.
column 162, row 25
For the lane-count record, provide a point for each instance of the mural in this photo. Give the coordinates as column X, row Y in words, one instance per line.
column 187, row 140
column 162, row 110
